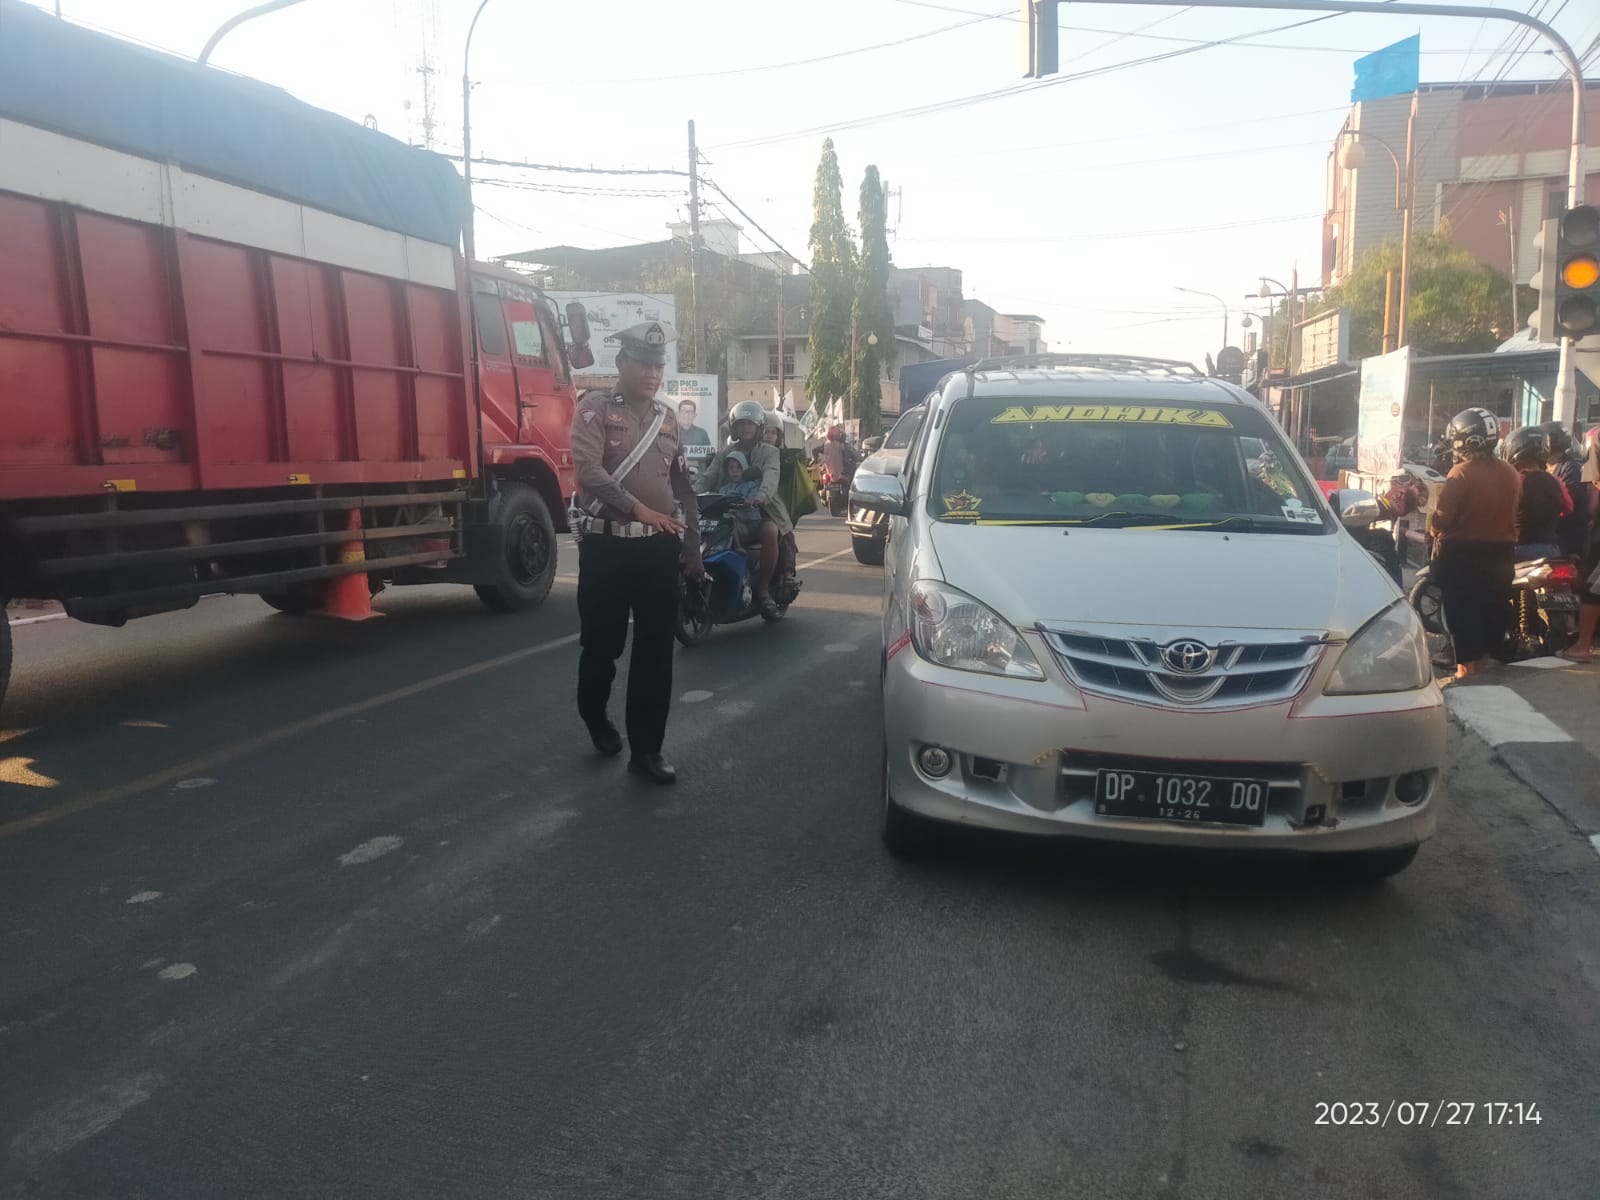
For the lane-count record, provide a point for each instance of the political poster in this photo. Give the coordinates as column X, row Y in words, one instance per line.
column 612, row 312
column 1381, row 412
column 693, row 398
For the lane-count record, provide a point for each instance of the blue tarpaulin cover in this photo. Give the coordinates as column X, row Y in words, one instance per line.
column 62, row 77
column 1388, row 72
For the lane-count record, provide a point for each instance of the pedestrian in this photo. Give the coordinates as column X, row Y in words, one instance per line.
column 638, row 525
column 1589, row 567
column 1475, row 524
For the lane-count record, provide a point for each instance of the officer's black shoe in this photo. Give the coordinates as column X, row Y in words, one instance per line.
column 606, row 739
column 654, row 768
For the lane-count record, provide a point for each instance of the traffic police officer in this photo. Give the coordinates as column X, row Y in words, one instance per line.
column 638, row 525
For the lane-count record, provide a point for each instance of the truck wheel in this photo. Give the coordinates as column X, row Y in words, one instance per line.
column 527, row 553
column 5, row 655
column 869, row 550
column 297, row 599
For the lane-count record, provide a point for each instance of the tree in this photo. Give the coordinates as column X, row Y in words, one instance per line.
column 832, row 276
column 871, row 312
column 1457, row 305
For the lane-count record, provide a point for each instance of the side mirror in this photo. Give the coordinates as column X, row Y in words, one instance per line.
column 578, row 326
column 1357, row 509
column 581, row 357
column 879, row 493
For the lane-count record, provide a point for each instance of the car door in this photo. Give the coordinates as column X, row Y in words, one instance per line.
column 900, row 549
column 544, row 407
column 497, row 379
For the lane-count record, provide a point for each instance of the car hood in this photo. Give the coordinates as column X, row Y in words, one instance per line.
column 1165, row 577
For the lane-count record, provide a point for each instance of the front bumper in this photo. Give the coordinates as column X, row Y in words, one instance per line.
column 864, row 524
column 1025, row 754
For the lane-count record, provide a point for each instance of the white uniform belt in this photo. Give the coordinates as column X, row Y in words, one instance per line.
column 624, row 529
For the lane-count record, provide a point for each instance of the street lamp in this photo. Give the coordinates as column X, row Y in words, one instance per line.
column 469, row 242
column 231, row 24
column 1352, row 157
column 872, row 340
column 1219, row 300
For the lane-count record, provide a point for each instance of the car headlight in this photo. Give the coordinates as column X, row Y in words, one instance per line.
column 951, row 629
column 1390, row 654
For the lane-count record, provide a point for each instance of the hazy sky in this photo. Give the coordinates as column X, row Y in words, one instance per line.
column 1089, row 201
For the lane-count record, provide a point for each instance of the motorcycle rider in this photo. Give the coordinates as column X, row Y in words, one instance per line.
column 1544, row 501
column 1566, row 464
column 746, row 421
column 1475, row 523
column 788, row 548
column 1589, row 566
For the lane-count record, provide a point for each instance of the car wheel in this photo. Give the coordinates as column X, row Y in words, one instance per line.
column 527, row 567
column 869, row 551
column 1372, row 867
column 905, row 835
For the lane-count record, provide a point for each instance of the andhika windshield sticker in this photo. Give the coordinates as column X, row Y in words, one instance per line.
column 962, row 504
column 1133, row 414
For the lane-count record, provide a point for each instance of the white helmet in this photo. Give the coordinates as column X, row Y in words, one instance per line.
column 747, row 410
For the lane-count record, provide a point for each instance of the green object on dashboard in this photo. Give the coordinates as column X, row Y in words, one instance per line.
column 1199, row 502
column 1067, row 499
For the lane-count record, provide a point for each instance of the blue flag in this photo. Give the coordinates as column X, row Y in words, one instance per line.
column 1389, row 72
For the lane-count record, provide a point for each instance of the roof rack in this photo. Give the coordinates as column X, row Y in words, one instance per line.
column 1122, row 362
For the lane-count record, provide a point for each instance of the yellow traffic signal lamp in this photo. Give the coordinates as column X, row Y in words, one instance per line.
column 1568, row 279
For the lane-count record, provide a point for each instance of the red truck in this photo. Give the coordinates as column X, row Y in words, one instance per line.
column 240, row 351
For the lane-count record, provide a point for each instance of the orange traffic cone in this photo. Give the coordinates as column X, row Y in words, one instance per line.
column 348, row 597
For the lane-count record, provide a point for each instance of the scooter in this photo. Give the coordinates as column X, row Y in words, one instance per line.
column 838, row 492
column 728, row 593
column 1544, row 610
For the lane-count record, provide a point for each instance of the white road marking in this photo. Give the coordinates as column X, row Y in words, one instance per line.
column 141, row 724
column 1548, row 663
column 142, row 897
column 694, row 697
column 482, row 926
column 1594, row 840
column 1498, row 715
column 735, row 708
column 177, row 971
column 190, row 785
column 817, row 562
column 61, row 616
column 57, row 1130
column 370, row 849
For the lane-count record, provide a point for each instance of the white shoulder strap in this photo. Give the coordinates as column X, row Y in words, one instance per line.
column 626, row 466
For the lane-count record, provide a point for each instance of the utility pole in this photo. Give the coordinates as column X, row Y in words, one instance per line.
column 780, row 341
column 1405, row 222
column 1508, row 218
column 694, row 249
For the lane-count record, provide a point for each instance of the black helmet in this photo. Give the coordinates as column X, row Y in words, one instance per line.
column 1527, row 447
column 1472, row 431
column 1560, row 439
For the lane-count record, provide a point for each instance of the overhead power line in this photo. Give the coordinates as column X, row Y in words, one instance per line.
column 529, row 166
column 716, row 187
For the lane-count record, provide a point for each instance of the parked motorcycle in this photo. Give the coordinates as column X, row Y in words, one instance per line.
column 1544, row 610
column 728, row 593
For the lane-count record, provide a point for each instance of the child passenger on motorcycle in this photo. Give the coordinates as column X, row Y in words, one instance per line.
column 747, row 518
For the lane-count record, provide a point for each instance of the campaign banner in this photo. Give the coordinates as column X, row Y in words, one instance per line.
column 693, row 399
column 1381, row 412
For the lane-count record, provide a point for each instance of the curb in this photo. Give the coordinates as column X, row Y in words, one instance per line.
column 1564, row 771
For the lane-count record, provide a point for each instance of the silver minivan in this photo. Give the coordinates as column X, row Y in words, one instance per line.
column 1108, row 615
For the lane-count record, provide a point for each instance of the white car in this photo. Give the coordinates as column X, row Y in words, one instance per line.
column 1100, row 621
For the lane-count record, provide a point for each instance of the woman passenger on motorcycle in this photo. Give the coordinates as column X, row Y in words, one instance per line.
column 1589, row 568
column 1475, row 523
column 788, row 548
column 1544, row 501
column 745, row 423
column 1566, row 464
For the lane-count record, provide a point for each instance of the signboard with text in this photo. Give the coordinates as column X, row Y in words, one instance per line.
column 693, row 398
column 612, row 312
column 1381, row 412
column 1323, row 341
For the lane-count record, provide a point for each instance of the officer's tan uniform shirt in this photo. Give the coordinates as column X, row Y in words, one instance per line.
column 605, row 429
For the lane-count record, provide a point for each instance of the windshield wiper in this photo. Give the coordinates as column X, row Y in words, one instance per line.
column 1283, row 526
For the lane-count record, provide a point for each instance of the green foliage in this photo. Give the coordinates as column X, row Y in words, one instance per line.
column 833, row 269
column 872, row 311
column 1458, row 305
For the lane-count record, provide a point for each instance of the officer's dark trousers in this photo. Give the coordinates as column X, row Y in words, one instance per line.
column 616, row 577
column 1475, row 587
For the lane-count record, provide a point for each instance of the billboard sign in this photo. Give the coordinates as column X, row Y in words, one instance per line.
column 1323, row 341
column 612, row 312
column 1381, row 415
column 693, row 399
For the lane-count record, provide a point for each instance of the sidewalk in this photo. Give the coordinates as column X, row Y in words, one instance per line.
column 1542, row 719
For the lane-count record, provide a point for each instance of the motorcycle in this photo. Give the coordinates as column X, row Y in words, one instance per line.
column 837, row 489
column 727, row 595
column 1544, row 610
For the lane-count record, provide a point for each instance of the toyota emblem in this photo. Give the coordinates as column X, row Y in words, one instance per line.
column 1187, row 657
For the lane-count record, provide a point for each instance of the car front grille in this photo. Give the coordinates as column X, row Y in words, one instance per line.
column 1239, row 673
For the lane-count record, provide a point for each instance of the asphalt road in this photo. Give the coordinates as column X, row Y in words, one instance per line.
column 300, row 909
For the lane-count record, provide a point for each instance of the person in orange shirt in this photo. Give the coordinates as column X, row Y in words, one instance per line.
column 1475, row 523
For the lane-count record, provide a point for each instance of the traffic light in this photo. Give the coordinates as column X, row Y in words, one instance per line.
column 1044, row 35
column 1568, row 280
